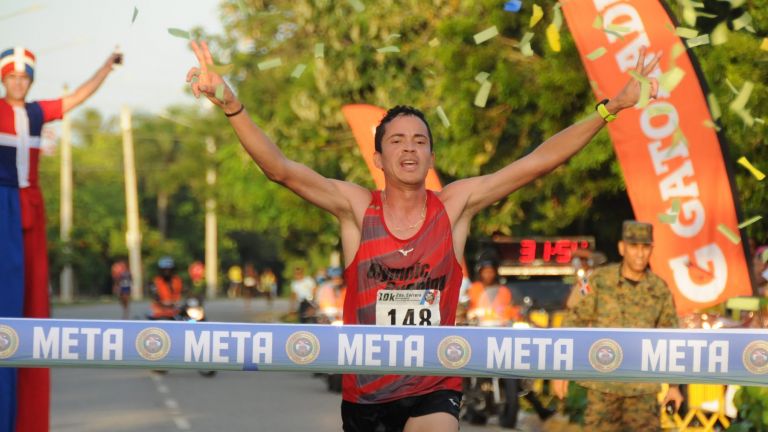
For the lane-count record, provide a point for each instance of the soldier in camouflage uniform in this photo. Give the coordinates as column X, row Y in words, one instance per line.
column 627, row 294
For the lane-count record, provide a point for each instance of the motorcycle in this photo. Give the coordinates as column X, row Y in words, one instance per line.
column 486, row 397
column 190, row 310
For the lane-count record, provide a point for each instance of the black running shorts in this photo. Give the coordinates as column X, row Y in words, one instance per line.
column 391, row 416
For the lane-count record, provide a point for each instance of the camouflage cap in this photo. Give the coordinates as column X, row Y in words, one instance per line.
column 637, row 232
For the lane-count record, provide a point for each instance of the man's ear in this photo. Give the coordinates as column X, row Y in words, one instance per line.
column 377, row 160
column 622, row 247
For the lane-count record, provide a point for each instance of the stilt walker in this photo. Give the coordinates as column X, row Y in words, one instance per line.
column 25, row 393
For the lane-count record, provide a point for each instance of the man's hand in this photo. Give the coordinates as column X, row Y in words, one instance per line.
column 116, row 58
column 673, row 394
column 560, row 388
column 206, row 82
column 630, row 94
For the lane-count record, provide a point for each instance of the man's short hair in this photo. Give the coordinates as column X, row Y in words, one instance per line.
column 393, row 113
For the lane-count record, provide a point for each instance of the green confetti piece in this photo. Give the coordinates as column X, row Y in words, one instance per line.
column 486, row 34
column 269, row 64
column 481, row 98
column 243, row 8
column 434, row 42
column 743, row 303
column 749, row 222
column 636, row 75
column 388, row 49
column 598, row 23
column 759, row 120
column 357, row 5
column 714, row 106
column 755, row 172
column 744, row 21
column 194, row 79
column 657, row 109
column 645, row 94
column 697, row 5
column 724, row 230
column 621, row 30
column 536, row 16
column 319, row 50
column 698, row 41
column 675, row 206
column 743, row 96
column 668, row 219
column 764, row 256
column 525, row 44
column 596, row 54
column 686, row 33
column 179, row 33
column 135, row 13
column 443, row 117
column 557, row 19
column 393, row 36
column 677, row 49
column 298, row 70
column 689, row 14
column 669, row 80
column 719, row 35
column 481, row 77
column 221, row 69
column 746, row 116
column 731, row 86
column 711, row 125
column 220, row 92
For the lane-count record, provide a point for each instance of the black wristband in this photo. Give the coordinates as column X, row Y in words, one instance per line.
column 242, row 107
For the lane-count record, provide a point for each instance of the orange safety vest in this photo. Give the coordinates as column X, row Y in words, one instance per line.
column 501, row 305
column 166, row 294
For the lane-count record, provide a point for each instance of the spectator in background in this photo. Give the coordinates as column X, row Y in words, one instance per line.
column 268, row 284
column 250, row 284
column 302, row 288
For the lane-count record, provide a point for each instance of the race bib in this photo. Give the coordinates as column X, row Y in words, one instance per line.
column 408, row 307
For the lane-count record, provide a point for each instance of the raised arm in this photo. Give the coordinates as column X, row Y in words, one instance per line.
column 480, row 192
column 89, row 87
column 335, row 196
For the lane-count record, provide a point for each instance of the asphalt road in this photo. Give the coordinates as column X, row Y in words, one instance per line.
column 122, row 400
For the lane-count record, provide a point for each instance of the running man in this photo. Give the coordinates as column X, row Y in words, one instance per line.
column 404, row 236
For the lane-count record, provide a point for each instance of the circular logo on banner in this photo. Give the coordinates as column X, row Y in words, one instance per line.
column 755, row 357
column 605, row 355
column 153, row 343
column 454, row 352
column 9, row 342
column 302, row 347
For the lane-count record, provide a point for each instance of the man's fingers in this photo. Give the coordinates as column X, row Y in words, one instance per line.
column 654, row 88
column 652, row 65
column 206, row 53
column 640, row 60
column 198, row 53
column 192, row 73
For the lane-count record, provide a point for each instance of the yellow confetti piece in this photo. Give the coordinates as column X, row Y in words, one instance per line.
column 698, row 41
column 481, row 98
column 269, row 64
column 669, row 80
column 434, row 42
column 743, row 96
column 298, row 70
column 221, row 69
column 179, row 33
column 481, row 77
column 667, row 218
column 724, row 230
column 719, row 35
column 486, row 34
column 755, row 172
column 731, row 86
column 743, row 21
column 536, row 16
column 553, row 37
column 686, row 33
column 764, row 45
column 319, row 50
column 388, row 49
column 357, row 5
column 596, row 54
column 749, row 222
column 525, row 44
column 711, row 125
column 220, row 92
column 443, row 117
column 714, row 106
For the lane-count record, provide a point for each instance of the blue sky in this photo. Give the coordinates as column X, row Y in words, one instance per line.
column 72, row 38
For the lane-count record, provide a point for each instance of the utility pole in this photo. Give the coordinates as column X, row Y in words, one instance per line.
column 211, row 241
column 66, row 278
column 132, row 235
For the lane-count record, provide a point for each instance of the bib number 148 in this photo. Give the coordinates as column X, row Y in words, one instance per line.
column 408, row 317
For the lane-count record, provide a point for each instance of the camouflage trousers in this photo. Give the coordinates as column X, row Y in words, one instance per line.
column 609, row 412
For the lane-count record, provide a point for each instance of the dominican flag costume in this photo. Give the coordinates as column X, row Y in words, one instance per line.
column 24, row 393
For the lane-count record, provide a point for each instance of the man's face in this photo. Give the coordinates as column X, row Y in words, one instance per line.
column 406, row 151
column 17, row 85
column 298, row 273
column 636, row 255
column 487, row 275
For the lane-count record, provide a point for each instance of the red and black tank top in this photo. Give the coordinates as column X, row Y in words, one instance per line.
column 425, row 262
